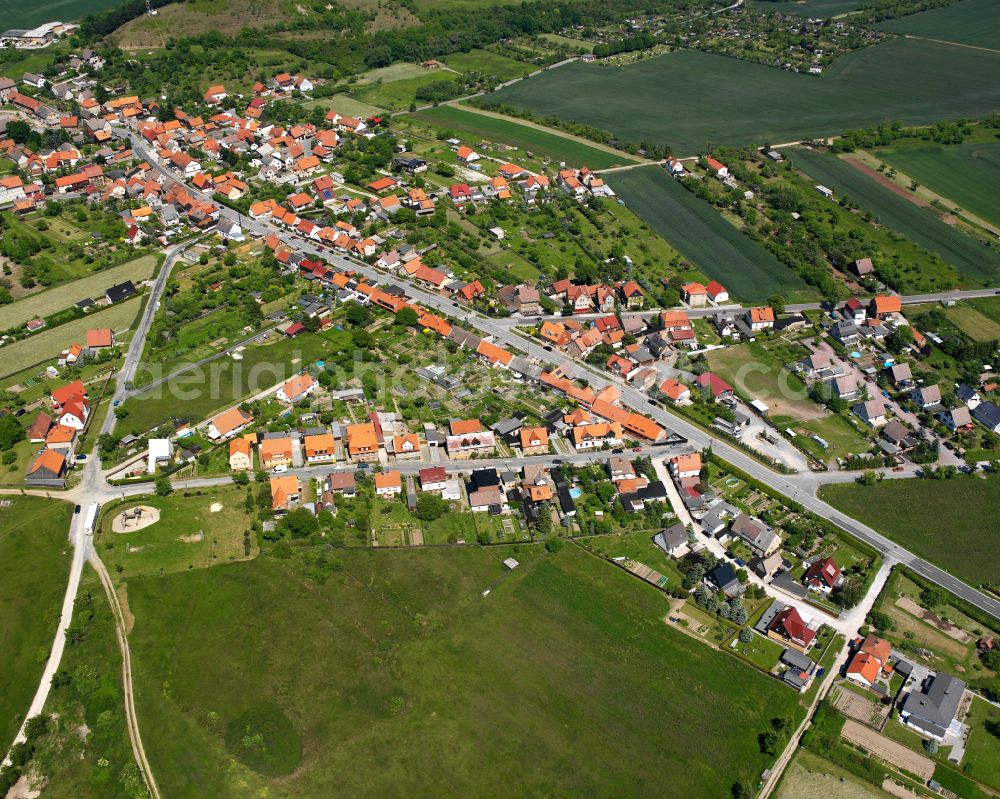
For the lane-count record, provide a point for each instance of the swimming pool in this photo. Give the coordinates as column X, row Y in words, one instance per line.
column 855, row 354
column 576, row 493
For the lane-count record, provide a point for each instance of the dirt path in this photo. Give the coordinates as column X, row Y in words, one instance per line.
column 131, row 720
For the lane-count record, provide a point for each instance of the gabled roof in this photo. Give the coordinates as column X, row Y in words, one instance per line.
column 823, row 571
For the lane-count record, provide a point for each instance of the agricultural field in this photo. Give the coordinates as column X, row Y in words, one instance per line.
column 676, row 99
column 315, row 682
column 920, row 514
column 58, row 299
column 48, row 344
column 35, row 551
column 192, row 532
column 472, row 127
column 972, row 22
column 807, row 8
column 87, row 745
column 977, row 263
column 701, row 234
column 966, row 174
column 18, row 14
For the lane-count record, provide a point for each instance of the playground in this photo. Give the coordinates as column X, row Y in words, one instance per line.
column 132, row 519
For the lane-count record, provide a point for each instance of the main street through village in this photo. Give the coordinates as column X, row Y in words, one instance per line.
column 92, row 485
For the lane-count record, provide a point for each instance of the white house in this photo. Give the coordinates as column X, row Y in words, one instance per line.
column 161, row 450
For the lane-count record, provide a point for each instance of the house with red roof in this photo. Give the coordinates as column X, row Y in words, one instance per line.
column 791, row 629
column 713, row 385
column 721, row 170
column 823, row 576
column 717, row 293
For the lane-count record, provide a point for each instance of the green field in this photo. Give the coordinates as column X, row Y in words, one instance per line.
column 396, row 95
column 189, row 534
column 698, row 232
column 18, row 14
column 696, row 101
column 217, row 385
column 807, row 8
column 35, row 552
column 951, row 523
column 473, row 126
column 973, row 260
column 62, row 297
column 967, row 174
column 48, row 344
column 984, row 745
column 396, row 677
column 809, row 776
column 972, row 22
column 488, row 63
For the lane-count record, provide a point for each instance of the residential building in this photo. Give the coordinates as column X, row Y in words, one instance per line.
column 433, row 478
column 320, row 448
column 285, row 492
column 240, row 455
column 534, row 441
column 932, row 710
column 275, row 452
column 362, row 442
column 297, row 388
column 791, row 629
column 228, row 423
column 388, row 484
column 823, row 576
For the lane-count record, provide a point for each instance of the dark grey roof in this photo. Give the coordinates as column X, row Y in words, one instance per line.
column 797, row 660
column 933, row 708
column 121, row 291
column 671, row 538
column 722, row 576
column 988, row 414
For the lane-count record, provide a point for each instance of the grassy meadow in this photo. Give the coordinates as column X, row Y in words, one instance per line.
column 35, row 551
column 397, row 677
column 695, row 101
column 976, row 262
column 698, row 232
column 951, row 523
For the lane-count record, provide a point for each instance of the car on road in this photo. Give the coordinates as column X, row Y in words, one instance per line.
column 887, row 395
column 637, row 449
column 617, row 451
column 76, row 509
column 81, row 457
column 115, row 403
column 547, row 348
column 279, row 469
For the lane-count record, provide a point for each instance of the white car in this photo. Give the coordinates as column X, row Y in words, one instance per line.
column 279, row 469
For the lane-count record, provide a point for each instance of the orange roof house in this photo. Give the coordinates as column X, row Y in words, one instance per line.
column 228, row 423
column 390, row 482
column 464, row 427
column 240, row 454
column 100, row 337
column 321, row 447
column 275, row 452
column 284, row 491
column 534, row 440
column 863, row 668
column 362, row 440
column 885, row 304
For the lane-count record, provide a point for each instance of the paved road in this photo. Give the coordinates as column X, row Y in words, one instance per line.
column 802, row 492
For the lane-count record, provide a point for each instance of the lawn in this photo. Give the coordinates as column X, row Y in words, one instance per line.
column 976, row 262
column 698, row 232
column 35, row 551
column 966, row 174
column 841, row 436
column 396, row 95
column 973, row 22
column 472, row 127
column 399, row 678
column 346, row 105
column 193, row 532
column 676, row 98
column 64, row 296
column 48, row 344
column 198, row 393
column 87, row 745
column 951, row 523
column 18, row 14
column 978, row 326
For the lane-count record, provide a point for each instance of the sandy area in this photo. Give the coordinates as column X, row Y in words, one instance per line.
column 215, row 507
column 949, row 629
column 124, row 522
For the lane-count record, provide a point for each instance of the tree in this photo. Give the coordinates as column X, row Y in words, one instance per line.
column 746, row 636
column 241, row 478
column 11, row 432
column 880, row 620
column 357, row 315
column 931, row 598
column 430, row 507
column 163, row 487
column 777, row 303
column 899, row 339
column 407, row 317
column 870, row 478
column 299, row 523
column 553, row 545
column 931, row 746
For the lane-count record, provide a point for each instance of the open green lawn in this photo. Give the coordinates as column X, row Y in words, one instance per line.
column 966, row 174
column 193, row 532
column 396, row 677
column 974, row 323
column 699, row 233
column 975, row 261
column 62, row 297
column 197, row 394
column 972, row 22
column 809, row 776
column 757, row 370
column 471, row 127
column 48, row 344
column 951, row 523
column 345, row 105
column 87, row 746
column 696, row 101
column 840, row 435
column 35, row 553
